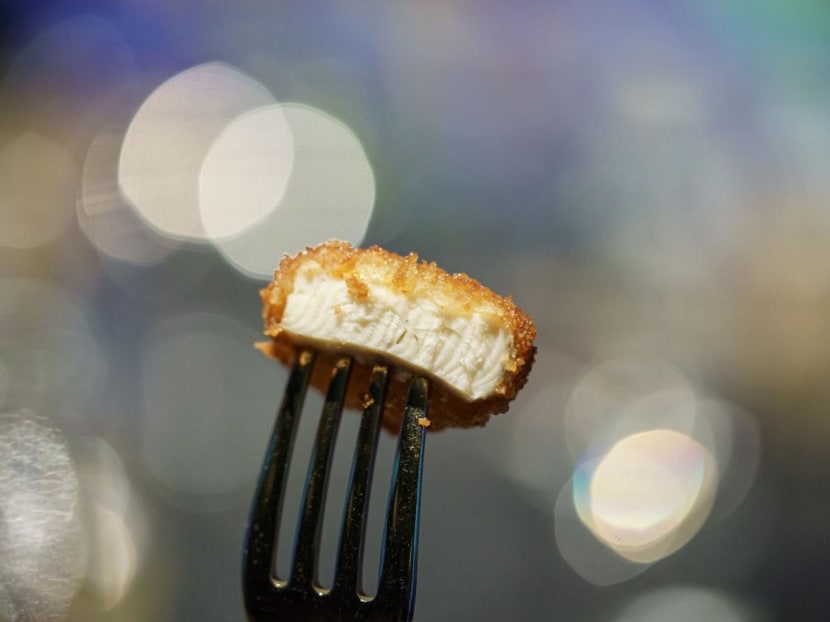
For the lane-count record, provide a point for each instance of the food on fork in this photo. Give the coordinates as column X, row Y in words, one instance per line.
column 475, row 346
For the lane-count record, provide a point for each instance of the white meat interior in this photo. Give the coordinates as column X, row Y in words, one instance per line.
column 467, row 353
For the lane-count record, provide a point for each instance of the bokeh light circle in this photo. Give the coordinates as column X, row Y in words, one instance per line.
column 687, row 604
column 40, row 531
column 245, row 172
column 649, row 495
column 170, row 135
column 330, row 194
column 642, row 501
column 104, row 214
column 37, row 177
column 115, row 529
column 657, row 458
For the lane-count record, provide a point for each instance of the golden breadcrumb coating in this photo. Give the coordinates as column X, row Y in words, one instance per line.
column 456, row 294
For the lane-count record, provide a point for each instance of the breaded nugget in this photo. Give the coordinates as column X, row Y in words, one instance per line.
column 475, row 346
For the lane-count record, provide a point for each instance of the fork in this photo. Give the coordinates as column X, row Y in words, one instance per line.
column 300, row 596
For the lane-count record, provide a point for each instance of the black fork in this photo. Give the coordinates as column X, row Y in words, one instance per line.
column 299, row 596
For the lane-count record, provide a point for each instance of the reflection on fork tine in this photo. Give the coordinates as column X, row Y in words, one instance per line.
column 300, row 597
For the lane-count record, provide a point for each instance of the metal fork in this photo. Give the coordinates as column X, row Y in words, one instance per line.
column 300, row 596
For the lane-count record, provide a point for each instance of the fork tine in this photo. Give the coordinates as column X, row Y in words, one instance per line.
column 349, row 559
column 260, row 542
column 300, row 597
column 307, row 543
column 400, row 548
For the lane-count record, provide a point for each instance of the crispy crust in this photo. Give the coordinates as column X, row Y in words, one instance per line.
column 458, row 293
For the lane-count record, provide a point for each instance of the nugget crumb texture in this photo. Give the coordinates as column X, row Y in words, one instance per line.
column 474, row 345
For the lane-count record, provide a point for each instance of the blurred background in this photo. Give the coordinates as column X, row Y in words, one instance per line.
column 650, row 183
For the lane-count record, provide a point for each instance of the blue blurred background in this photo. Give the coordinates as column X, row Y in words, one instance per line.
column 649, row 181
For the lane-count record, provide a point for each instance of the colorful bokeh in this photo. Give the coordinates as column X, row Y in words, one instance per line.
column 649, row 181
